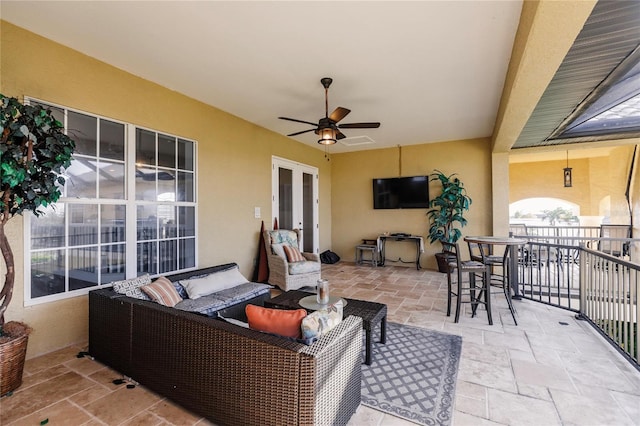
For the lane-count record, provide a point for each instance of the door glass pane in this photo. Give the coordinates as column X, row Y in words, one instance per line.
column 83, row 224
column 82, row 178
column 111, row 140
column 307, row 212
column 145, row 147
column 285, row 191
column 83, row 130
column 112, row 224
column 185, row 155
column 47, row 230
column 111, row 180
column 47, row 273
column 166, row 151
column 83, row 267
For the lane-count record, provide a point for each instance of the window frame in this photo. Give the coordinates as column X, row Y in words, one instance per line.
column 129, row 202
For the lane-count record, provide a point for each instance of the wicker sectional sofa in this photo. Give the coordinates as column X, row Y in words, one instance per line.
column 227, row 373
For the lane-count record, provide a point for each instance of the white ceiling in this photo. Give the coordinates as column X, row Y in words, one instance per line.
column 427, row 70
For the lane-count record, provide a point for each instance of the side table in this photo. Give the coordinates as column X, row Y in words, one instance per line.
column 372, row 314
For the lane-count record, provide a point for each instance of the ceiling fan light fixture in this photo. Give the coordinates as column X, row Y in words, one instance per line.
column 327, row 136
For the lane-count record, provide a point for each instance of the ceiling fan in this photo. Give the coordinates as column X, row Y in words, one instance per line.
column 328, row 128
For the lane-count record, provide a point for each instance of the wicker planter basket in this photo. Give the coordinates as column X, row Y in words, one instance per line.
column 12, row 356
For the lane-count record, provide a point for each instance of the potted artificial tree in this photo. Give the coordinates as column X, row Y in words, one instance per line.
column 33, row 152
column 447, row 209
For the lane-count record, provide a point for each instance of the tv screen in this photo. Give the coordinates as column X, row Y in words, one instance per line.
column 401, row 193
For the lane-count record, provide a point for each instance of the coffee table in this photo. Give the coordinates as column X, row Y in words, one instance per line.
column 371, row 313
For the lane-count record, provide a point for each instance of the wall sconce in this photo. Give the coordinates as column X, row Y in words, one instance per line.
column 567, row 174
column 327, row 136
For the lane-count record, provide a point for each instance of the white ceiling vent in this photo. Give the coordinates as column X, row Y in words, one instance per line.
column 356, row 141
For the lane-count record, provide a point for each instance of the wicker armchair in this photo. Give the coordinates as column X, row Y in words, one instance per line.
column 282, row 273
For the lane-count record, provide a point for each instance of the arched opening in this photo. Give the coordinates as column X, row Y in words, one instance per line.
column 549, row 211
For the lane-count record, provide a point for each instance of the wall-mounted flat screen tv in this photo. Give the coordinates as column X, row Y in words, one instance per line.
column 401, row 193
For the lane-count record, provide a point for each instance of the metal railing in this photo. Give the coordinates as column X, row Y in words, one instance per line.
column 567, row 272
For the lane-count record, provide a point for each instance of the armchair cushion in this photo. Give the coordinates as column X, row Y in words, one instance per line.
column 283, row 236
column 293, row 254
column 304, row 267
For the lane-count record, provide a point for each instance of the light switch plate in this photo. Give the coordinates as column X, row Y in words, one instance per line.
column 257, row 212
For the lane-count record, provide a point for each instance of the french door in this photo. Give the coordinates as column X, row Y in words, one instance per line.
column 295, row 200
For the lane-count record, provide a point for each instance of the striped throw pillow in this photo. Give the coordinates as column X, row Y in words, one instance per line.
column 163, row 292
column 293, row 254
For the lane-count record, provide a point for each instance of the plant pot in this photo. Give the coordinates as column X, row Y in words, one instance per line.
column 443, row 262
column 12, row 355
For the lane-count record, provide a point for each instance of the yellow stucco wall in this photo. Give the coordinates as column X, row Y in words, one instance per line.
column 234, row 163
column 599, row 183
column 354, row 217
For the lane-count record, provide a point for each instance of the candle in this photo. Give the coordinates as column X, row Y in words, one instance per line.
column 322, row 296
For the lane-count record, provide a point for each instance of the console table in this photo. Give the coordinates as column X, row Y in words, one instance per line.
column 415, row 239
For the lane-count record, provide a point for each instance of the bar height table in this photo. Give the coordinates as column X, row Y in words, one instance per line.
column 512, row 245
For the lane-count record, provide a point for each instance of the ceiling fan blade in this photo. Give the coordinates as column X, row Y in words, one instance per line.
column 340, row 135
column 359, row 126
column 339, row 113
column 299, row 133
column 298, row 121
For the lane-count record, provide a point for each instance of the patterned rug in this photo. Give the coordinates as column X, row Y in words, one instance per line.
column 413, row 375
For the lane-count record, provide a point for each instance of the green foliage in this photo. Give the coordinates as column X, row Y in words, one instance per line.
column 559, row 214
column 447, row 208
column 33, row 152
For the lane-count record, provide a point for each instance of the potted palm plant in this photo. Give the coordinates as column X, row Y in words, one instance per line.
column 446, row 210
column 34, row 150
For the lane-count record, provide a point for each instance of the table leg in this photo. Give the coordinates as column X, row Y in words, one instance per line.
column 418, row 255
column 383, row 330
column 513, row 271
column 383, row 243
column 367, row 358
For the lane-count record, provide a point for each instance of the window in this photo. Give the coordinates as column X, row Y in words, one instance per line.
column 104, row 227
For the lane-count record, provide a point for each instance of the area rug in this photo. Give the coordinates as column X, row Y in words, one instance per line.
column 413, row 375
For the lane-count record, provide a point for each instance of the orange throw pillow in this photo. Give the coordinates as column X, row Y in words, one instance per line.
column 277, row 321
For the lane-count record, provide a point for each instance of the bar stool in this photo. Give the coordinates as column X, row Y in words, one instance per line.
column 372, row 249
column 473, row 268
column 499, row 279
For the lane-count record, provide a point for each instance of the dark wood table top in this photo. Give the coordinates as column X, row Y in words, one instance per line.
column 370, row 312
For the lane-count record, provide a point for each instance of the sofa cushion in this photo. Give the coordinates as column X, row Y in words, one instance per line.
column 162, row 291
column 277, row 321
column 212, row 283
column 210, row 304
column 131, row 287
column 293, row 254
column 318, row 323
column 303, row 267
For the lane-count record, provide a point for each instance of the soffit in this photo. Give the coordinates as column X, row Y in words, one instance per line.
column 609, row 35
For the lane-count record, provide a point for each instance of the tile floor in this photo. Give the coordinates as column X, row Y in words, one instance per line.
column 550, row 369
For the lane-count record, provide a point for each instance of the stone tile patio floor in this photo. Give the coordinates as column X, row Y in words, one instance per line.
column 551, row 369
